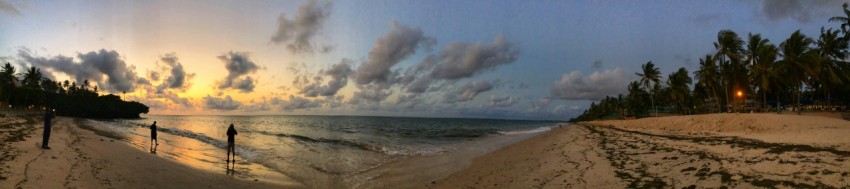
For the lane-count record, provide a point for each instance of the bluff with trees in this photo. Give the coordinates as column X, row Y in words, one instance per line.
column 800, row 73
column 32, row 91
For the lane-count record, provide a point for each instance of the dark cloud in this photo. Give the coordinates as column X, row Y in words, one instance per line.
column 6, row 6
column 295, row 103
column 410, row 102
column 506, row 101
column 245, row 84
column 177, row 78
column 597, row 64
column 215, row 103
column 468, row 92
column 238, row 64
column 298, row 32
column 576, row 86
column 339, row 74
column 395, row 46
column 106, row 68
column 463, row 60
column 802, row 11
column 153, row 75
column 369, row 95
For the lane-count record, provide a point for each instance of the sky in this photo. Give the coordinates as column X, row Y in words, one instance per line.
column 480, row 59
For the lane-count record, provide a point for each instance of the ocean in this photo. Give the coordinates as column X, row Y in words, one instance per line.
column 318, row 151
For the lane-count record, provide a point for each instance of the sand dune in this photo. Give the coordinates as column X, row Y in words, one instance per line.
column 716, row 150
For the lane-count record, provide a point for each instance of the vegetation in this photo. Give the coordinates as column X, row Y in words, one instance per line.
column 800, row 73
column 32, row 91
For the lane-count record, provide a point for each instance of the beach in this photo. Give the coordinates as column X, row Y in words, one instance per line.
column 79, row 158
column 272, row 151
column 714, row 150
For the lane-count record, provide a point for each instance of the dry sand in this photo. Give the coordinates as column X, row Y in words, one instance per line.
column 700, row 151
column 82, row 159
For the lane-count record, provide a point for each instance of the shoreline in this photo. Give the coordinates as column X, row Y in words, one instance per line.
column 82, row 159
column 712, row 150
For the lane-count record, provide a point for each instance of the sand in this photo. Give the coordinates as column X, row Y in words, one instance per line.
column 79, row 158
column 715, row 150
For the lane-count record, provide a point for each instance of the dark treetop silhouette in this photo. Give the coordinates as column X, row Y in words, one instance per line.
column 68, row 98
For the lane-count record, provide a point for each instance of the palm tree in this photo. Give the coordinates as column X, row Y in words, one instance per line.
column 679, row 90
column 707, row 75
column 649, row 76
column 31, row 82
column 831, row 49
column 7, row 80
column 763, row 72
column 845, row 20
column 797, row 55
column 729, row 48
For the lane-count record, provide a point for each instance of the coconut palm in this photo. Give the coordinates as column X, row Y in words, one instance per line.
column 7, row 80
column 728, row 55
column 679, row 90
column 650, row 75
column 763, row 72
column 707, row 76
column 797, row 60
column 831, row 49
column 844, row 20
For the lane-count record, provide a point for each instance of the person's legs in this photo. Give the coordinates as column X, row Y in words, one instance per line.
column 229, row 148
column 46, row 137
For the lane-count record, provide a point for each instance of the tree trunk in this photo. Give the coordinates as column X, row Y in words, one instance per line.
column 764, row 100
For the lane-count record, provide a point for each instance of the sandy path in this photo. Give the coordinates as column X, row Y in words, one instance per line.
column 82, row 159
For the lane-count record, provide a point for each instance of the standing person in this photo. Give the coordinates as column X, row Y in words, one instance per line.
column 154, row 142
column 48, row 118
column 231, row 144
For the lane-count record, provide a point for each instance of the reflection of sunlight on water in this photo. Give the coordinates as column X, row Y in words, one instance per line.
column 200, row 155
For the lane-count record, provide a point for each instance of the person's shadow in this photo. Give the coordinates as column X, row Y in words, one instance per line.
column 153, row 149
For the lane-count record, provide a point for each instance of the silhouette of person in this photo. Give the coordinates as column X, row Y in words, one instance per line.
column 48, row 118
column 154, row 141
column 231, row 144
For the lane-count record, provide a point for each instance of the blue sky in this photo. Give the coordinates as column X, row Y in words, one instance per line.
column 498, row 59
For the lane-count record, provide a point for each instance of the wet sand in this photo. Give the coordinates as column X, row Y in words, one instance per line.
column 714, row 151
column 79, row 158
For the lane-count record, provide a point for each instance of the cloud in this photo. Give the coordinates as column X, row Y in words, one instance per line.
column 463, row 60
column 506, row 101
column 396, row 45
column 338, row 73
column 177, row 78
column 215, row 103
column 468, row 92
column 410, row 102
column 369, row 95
column 576, row 86
column 6, row 6
column 296, row 103
column 298, row 32
column 597, row 64
column 802, row 11
column 238, row 64
column 106, row 68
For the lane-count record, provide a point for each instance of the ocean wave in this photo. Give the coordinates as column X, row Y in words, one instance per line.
column 527, row 131
column 386, row 150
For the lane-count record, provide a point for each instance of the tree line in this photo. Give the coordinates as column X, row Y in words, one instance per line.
column 800, row 73
column 30, row 90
